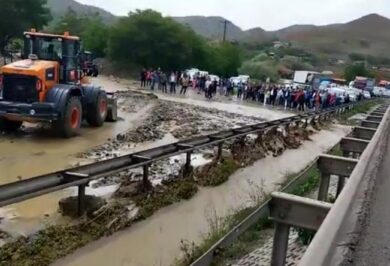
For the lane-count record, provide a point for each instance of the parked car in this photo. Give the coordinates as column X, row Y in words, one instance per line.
column 386, row 93
column 214, row 77
column 240, row 79
column 367, row 95
column 378, row 91
column 353, row 94
column 235, row 80
column 244, row 78
column 340, row 92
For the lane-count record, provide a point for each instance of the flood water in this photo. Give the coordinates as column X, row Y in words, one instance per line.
column 156, row 241
column 39, row 153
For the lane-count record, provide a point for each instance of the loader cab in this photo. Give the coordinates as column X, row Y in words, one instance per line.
column 64, row 49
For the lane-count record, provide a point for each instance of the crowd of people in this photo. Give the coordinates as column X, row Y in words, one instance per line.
column 285, row 96
column 157, row 79
column 289, row 97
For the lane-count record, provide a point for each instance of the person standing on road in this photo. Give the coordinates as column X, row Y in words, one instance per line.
column 164, row 81
column 208, row 88
column 239, row 90
column 149, row 77
column 184, row 84
column 172, row 81
column 301, row 100
column 154, row 78
column 274, row 93
column 143, row 77
column 287, row 98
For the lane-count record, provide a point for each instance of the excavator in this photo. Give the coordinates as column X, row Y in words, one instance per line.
column 49, row 86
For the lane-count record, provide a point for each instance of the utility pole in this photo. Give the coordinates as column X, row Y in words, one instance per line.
column 224, row 30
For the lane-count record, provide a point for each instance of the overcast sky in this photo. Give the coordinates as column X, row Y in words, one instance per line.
column 267, row 14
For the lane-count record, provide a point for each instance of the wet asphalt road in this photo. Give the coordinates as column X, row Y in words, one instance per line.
column 374, row 245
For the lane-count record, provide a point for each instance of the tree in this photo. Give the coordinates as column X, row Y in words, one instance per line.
column 351, row 72
column 354, row 57
column 17, row 16
column 225, row 59
column 95, row 37
column 148, row 39
column 260, row 70
column 70, row 22
column 92, row 30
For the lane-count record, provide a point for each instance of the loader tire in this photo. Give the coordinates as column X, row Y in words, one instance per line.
column 98, row 110
column 69, row 124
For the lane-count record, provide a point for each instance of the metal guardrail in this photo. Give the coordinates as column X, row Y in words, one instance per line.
column 330, row 245
column 81, row 176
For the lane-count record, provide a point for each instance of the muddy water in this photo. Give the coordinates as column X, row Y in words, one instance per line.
column 38, row 153
column 221, row 103
column 156, row 241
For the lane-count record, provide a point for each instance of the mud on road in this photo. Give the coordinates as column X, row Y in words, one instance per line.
column 178, row 120
column 145, row 121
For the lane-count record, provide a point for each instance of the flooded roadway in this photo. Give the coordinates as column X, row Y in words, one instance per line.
column 38, row 152
column 222, row 103
column 156, row 241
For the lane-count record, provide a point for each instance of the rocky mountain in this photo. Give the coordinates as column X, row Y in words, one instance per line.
column 369, row 34
column 60, row 7
column 212, row 27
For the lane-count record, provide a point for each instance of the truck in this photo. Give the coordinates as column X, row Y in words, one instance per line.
column 304, row 77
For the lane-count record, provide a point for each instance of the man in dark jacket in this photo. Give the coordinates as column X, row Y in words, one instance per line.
column 143, row 76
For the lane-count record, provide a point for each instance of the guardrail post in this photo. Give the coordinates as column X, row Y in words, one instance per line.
column 353, row 145
column 280, row 245
column 187, row 167
column 219, row 152
column 340, row 185
column 333, row 165
column 324, row 187
column 289, row 210
column 81, row 200
column 306, row 123
column 145, row 176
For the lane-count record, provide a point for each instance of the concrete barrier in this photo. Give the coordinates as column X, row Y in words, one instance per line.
column 342, row 226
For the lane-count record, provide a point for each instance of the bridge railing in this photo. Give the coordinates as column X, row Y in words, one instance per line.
column 340, row 229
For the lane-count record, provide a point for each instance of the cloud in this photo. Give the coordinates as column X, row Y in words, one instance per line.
column 267, row 14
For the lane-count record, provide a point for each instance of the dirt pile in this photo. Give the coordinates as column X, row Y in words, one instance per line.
column 180, row 120
column 69, row 206
column 150, row 200
column 248, row 150
column 217, row 172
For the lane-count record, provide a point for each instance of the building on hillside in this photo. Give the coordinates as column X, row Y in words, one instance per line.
column 280, row 44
